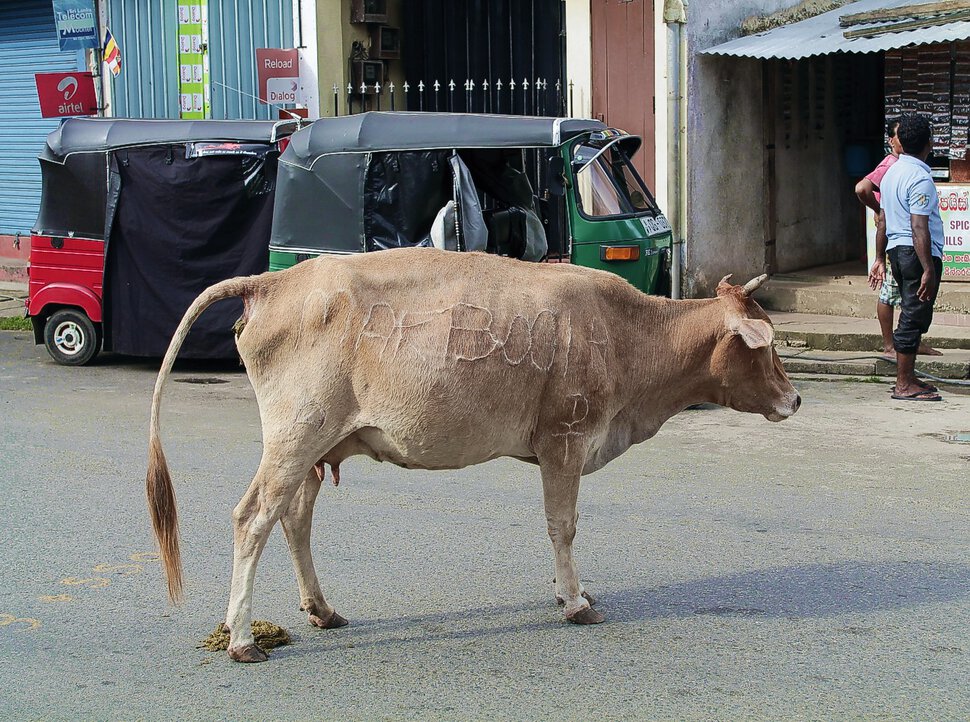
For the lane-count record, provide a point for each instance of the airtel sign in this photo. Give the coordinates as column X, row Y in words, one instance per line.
column 66, row 94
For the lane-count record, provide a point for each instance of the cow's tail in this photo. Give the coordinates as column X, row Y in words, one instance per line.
column 158, row 483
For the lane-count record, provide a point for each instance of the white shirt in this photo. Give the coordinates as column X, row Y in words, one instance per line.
column 908, row 189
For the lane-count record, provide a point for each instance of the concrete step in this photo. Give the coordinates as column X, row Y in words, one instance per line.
column 820, row 344
column 847, row 333
column 953, row 365
column 13, row 269
column 851, row 296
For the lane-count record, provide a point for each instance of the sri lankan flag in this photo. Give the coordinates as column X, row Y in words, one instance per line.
column 111, row 53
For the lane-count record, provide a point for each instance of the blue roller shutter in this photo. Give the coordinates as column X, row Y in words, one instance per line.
column 236, row 29
column 28, row 45
column 147, row 31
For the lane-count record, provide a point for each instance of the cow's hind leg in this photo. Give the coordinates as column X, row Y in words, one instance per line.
column 560, row 491
column 269, row 495
column 296, row 526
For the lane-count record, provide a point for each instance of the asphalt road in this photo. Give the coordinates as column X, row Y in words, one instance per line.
column 814, row 569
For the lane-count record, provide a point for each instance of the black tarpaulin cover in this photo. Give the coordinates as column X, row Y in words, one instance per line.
column 402, row 194
column 182, row 224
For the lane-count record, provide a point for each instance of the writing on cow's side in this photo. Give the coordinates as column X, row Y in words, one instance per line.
column 577, row 414
column 464, row 332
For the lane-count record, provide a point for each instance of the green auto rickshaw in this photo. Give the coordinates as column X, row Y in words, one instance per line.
column 534, row 188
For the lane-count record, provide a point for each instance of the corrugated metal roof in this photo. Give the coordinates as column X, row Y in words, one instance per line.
column 822, row 35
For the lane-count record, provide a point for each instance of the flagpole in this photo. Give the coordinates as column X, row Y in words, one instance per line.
column 99, row 58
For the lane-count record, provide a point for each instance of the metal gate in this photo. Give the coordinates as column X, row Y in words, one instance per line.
column 485, row 56
column 28, row 45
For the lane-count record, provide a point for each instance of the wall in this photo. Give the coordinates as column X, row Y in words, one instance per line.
column 726, row 178
column 578, row 60
column 818, row 213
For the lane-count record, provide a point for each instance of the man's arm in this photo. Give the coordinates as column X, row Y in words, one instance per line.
column 878, row 271
column 865, row 191
column 921, row 244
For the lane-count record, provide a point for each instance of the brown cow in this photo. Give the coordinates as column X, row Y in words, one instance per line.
column 436, row 360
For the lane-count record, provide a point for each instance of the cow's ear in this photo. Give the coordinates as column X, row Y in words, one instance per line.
column 755, row 332
column 724, row 288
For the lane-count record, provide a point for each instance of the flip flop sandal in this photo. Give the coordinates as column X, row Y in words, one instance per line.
column 926, row 387
column 923, row 395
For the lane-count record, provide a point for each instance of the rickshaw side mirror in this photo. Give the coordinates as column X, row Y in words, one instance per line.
column 555, row 176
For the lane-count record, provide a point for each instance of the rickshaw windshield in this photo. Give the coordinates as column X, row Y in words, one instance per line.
column 607, row 183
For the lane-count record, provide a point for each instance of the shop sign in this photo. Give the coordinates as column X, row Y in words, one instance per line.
column 75, row 23
column 278, row 73
column 955, row 212
column 63, row 94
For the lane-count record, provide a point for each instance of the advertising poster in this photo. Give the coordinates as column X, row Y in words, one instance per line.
column 278, row 76
column 193, row 58
column 955, row 212
column 66, row 94
column 75, row 23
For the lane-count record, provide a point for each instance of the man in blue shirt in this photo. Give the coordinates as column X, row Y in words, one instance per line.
column 911, row 229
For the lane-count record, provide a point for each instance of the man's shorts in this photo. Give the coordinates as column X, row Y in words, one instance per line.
column 889, row 291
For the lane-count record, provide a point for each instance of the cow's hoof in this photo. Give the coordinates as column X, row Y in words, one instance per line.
column 587, row 615
column 586, row 595
column 249, row 653
column 332, row 622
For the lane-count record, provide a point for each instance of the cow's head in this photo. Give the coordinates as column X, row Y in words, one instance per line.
column 744, row 361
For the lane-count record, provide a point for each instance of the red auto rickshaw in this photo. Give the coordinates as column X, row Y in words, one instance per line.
column 137, row 217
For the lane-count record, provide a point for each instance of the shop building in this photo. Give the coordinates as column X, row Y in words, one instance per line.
column 792, row 117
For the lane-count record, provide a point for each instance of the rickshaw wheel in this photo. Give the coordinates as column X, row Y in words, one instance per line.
column 71, row 338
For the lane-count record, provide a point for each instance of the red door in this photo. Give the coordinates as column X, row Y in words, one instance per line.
column 623, row 67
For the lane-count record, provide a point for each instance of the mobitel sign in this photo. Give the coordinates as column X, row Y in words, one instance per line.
column 278, row 72
column 63, row 94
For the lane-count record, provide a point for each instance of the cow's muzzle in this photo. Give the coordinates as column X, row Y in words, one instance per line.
column 783, row 411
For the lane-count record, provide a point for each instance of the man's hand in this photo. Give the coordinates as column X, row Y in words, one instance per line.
column 877, row 273
column 927, row 285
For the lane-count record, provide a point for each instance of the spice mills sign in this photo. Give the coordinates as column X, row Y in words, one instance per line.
column 955, row 212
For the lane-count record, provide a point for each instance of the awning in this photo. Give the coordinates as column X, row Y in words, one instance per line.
column 822, row 35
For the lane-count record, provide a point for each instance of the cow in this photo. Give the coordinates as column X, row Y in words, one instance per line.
column 430, row 359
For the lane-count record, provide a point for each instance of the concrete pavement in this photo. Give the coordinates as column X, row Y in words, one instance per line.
column 813, row 569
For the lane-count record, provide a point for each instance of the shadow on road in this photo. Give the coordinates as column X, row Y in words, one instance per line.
column 795, row 592
column 804, row 591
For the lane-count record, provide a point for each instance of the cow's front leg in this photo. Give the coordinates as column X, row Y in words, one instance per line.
column 296, row 527
column 560, row 491
column 264, row 502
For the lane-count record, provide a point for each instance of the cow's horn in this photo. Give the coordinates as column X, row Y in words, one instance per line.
column 726, row 278
column 754, row 284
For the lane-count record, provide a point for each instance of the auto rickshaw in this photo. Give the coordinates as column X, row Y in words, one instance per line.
column 137, row 217
column 535, row 188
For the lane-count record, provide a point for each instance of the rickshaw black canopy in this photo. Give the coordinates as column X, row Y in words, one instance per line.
column 388, row 131
column 375, row 180
column 99, row 135
column 74, row 162
column 179, row 204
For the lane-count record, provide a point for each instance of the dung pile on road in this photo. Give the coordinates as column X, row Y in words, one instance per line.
column 267, row 635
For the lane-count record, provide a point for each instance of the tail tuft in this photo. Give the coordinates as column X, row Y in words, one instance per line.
column 161, row 503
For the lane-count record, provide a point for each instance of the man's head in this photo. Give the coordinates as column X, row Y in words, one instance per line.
column 914, row 135
column 894, row 145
